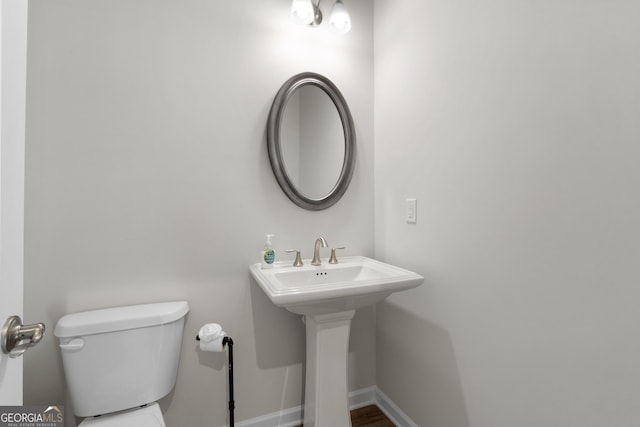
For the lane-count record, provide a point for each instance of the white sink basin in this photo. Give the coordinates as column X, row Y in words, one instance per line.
column 328, row 296
column 352, row 283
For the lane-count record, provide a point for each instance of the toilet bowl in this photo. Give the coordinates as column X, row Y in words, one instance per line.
column 119, row 361
column 148, row 416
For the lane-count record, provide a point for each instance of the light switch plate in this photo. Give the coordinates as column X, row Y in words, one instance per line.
column 411, row 212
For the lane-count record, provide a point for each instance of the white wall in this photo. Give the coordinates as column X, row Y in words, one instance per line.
column 521, row 120
column 148, row 180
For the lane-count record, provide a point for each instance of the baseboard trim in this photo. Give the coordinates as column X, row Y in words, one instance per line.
column 286, row 418
column 357, row 399
column 392, row 411
column 363, row 397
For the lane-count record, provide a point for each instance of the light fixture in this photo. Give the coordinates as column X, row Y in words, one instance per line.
column 340, row 20
column 307, row 12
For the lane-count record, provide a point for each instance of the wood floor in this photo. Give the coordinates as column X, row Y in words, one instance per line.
column 369, row 416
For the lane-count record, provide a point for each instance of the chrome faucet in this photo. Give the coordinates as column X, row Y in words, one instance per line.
column 316, row 250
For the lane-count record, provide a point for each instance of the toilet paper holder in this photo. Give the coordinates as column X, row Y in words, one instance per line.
column 228, row 342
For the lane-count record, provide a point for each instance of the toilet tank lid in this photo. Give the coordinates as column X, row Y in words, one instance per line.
column 119, row 318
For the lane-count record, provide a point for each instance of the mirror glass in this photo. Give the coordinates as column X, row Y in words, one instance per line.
column 311, row 141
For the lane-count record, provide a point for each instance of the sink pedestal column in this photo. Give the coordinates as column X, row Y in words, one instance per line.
column 326, row 393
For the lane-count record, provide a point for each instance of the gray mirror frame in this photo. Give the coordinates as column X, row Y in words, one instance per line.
column 275, row 151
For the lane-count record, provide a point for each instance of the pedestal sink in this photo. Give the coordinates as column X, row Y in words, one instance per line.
column 327, row 296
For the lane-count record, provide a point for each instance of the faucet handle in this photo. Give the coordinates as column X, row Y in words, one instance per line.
column 332, row 258
column 298, row 260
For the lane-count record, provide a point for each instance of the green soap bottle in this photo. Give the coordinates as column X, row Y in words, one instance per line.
column 268, row 254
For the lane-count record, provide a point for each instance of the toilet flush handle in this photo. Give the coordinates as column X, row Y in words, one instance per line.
column 75, row 344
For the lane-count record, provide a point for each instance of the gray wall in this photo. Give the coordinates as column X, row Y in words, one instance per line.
column 521, row 120
column 147, row 179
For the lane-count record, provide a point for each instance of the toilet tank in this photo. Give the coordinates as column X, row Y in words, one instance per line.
column 121, row 357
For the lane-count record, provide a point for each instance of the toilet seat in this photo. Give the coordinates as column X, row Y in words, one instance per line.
column 148, row 416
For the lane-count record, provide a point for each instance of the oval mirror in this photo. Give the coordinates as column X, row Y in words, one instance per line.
column 311, row 141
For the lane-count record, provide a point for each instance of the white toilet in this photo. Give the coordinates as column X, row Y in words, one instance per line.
column 119, row 361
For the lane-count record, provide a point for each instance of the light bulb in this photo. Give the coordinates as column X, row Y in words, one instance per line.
column 340, row 20
column 302, row 11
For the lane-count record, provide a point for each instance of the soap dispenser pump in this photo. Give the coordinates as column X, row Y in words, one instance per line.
column 268, row 254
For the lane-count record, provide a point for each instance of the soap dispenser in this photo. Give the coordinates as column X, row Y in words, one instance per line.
column 268, row 254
